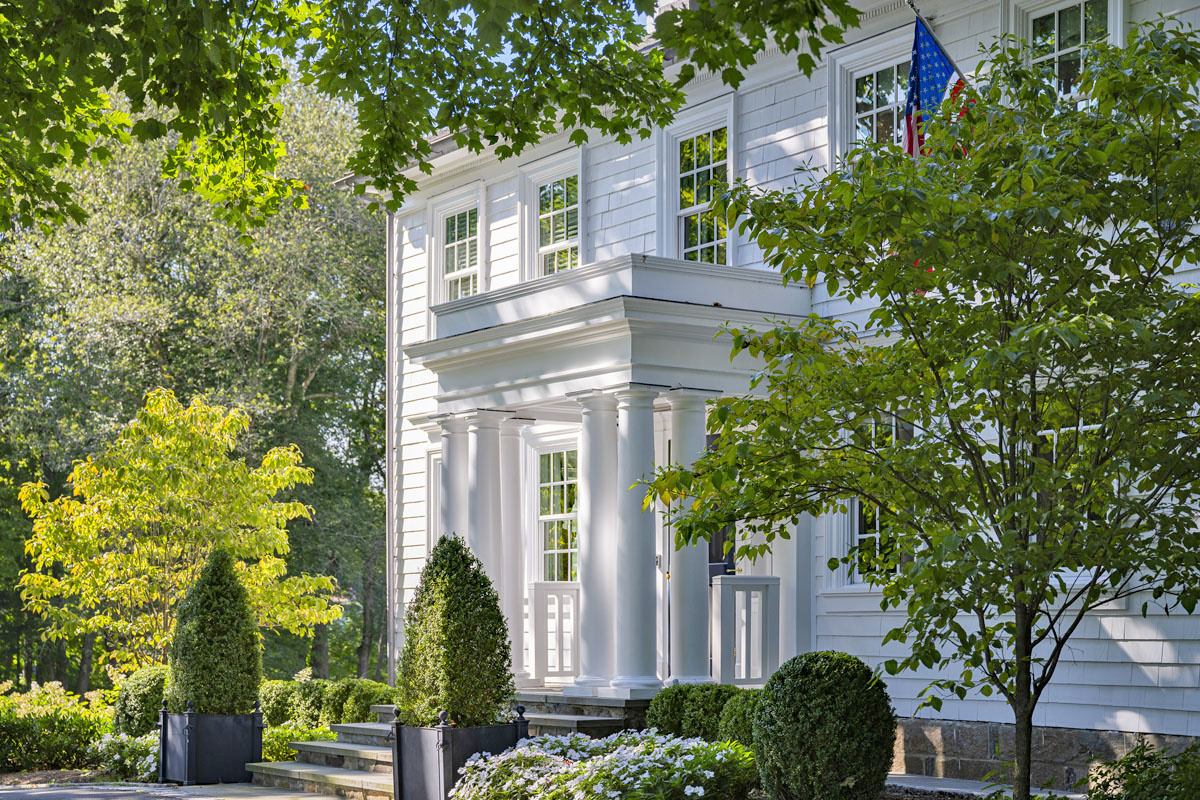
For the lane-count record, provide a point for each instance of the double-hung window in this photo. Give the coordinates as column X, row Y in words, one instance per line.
column 703, row 160
column 1057, row 38
column 558, row 225
column 558, row 514
column 879, row 97
column 460, row 255
column 868, row 524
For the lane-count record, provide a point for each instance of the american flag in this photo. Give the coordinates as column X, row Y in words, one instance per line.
column 928, row 77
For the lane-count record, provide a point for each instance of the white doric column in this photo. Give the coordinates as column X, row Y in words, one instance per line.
column 455, row 491
column 597, row 552
column 512, row 536
column 689, row 603
column 636, row 603
column 483, row 513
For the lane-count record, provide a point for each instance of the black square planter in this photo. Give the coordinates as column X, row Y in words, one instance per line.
column 427, row 760
column 208, row 748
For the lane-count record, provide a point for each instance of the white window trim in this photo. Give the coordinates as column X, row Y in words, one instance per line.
column 843, row 67
column 1016, row 17
column 530, row 177
column 473, row 195
column 699, row 119
column 538, row 443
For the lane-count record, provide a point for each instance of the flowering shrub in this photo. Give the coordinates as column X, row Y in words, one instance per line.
column 277, row 740
column 641, row 764
column 129, row 758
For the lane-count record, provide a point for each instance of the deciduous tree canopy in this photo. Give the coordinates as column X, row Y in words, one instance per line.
column 1030, row 328
column 205, row 76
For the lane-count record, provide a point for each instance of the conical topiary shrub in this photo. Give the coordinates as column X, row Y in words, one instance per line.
column 456, row 649
column 216, row 656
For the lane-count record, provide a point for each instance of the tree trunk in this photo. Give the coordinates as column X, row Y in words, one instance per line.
column 319, row 658
column 368, row 620
column 83, row 682
column 1023, row 703
column 27, row 651
column 381, row 653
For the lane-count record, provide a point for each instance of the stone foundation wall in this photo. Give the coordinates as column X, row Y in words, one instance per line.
column 973, row 750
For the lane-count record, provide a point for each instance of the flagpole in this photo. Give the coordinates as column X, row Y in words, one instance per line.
column 961, row 75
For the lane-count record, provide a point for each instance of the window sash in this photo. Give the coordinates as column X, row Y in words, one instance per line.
column 558, row 221
column 879, row 99
column 1057, row 38
column 460, row 254
column 702, row 159
column 557, row 502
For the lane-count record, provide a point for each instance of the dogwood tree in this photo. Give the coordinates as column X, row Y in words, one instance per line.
column 116, row 557
column 1018, row 420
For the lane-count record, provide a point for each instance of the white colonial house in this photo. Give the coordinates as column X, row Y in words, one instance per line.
column 551, row 332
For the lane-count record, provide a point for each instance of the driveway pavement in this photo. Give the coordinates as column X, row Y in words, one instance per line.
column 229, row 791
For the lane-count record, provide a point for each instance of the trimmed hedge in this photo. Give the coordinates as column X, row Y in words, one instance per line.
column 702, row 709
column 140, row 700
column 56, row 738
column 365, row 694
column 456, row 655
column 824, row 729
column 335, row 699
column 737, row 718
column 665, row 713
column 216, row 656
column 277, row 698
column 308, row 701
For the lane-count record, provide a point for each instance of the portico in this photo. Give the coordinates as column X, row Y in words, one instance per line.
column 545, row 422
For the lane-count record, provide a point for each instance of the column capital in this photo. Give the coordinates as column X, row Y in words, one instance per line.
column 512, row 426
column 682, row 397
column 450, row 423
column 594, row 400
column 637, row 393
column 486, row 419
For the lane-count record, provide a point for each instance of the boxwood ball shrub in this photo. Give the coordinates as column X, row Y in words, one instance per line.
column 216, row 657
column 824, row 730
column 308, row 701
column 139, row 701
column 276, row 698
column 702, row 708
column 737, row 717
column 665, row 712
column 456, row 650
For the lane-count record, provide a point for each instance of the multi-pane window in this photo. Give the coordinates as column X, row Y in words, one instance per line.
column 1058, row 37
column 879, row 98
column 558, row 514
column 868, row 526
column 703, row 161
column 558, row 225
column 460, row 255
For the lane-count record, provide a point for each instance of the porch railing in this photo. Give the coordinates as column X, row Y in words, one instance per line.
column 745, row 628
column 555, row 616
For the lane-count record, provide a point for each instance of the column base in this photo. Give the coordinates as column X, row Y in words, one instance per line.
column 585, row 686
column 522, row 681
column 676, row 680
column 635, row 682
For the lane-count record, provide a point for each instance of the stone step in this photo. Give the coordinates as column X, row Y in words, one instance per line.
column 363, row 757
column 548, row 701
column 376, row 733
column 560, row 724
column 319, row 779
column 384, row 714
